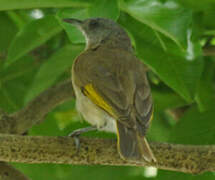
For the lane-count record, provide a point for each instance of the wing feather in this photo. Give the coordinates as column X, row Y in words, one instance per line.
column 119, row 87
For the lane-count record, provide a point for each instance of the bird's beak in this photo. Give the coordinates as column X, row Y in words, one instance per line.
column 75, row 22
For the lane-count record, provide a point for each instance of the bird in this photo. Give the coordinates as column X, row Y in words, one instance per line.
column 111, row 87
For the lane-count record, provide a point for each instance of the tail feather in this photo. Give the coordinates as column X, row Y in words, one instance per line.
column 133, row 146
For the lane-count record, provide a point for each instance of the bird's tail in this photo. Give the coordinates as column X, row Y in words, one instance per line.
column 132, row 146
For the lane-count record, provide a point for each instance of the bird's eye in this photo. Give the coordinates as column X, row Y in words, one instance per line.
column 93, row 24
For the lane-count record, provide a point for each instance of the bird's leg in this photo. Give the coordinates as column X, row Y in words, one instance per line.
column 76, row 133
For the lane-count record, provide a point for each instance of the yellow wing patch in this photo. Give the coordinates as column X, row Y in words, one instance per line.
column 90, row 92
column 152, row 115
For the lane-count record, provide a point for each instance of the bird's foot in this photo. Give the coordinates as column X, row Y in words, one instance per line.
column 76, row 133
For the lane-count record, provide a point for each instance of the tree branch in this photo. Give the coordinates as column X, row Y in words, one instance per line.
column 21, row 121
column 39, row 149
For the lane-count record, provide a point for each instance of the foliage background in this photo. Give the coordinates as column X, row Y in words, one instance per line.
column 170, row 36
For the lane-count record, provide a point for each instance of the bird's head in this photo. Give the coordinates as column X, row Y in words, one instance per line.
column 98, row 30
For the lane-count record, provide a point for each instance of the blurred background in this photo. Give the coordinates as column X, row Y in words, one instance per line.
column 175, row 39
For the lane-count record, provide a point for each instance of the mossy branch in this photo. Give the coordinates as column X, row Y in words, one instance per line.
column 62, row 150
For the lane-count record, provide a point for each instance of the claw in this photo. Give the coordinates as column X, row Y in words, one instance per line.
column 77, row 143
column 76, row 133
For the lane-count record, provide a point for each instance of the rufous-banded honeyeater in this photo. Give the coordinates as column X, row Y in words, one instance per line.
column 111, row 87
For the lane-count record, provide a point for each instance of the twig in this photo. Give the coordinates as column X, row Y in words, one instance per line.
column 21, row 121
column 38, row 149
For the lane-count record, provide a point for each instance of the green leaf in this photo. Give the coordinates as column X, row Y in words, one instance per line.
column 31, row 36
column 105, row 8
column 15, row 82
column 7, row 32
column 164, row 100
column 197, row 5
column 50, row 70
column 203, row 12
column 195, row 127
column 165, row 59
column 26, row 4
column 166, row 17
column 16, row 18
column 205, row 96
column 208, row 18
